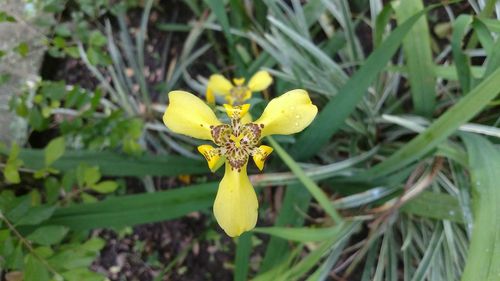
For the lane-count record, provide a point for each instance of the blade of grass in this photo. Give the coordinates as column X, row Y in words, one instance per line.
column 483, row 261
column 220, row 13
column 242, row 260
column 441, row 128
column 439, row 206
column 333, row 115
column 462, row 63
column 418, row 56
column 303, row 234
column 116, row 164
column 311, row 186
column 430, row 253
column 136, row 209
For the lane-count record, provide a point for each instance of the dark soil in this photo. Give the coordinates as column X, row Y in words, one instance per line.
column 174, row 250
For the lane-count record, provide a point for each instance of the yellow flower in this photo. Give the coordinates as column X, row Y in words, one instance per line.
column 238, row 92
column 235, row 206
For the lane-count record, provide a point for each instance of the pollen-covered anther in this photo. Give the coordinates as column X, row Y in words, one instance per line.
column 260, row 155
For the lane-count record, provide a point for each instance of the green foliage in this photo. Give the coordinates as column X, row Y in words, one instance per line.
column 365, row 161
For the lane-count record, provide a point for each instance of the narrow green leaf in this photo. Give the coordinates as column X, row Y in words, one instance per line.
column 440, row 206
column 304, row 234
column 492, row 24
column 218, row 8
column 242, row 260
column 381, row 22
column 116, row 164
column 139, row 208
column 493, row 61
column 418, row 57
column 333, row 115
column 483, row 261
column 430, row 253
column 462, row 63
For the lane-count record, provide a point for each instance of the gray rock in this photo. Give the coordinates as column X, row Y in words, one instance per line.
column 21, row 70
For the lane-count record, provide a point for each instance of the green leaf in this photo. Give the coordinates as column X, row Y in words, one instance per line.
column 48, row 235
column 5, row 17
column 23, row 49
column 483, row 260
column 461, row 60
column 105, row 187
column 93, row 56
column 79, row 274
column 116, row 164
column 97, row 39
column 304, row 234
column 10, row 171
column 418, row 57
column 439, row 206
column 34, row 270
column 36, row 215
column 333, row 115
column 63, row 30
column 54, row 150
column 242, row 259
column 140, row 208
column 87, row 176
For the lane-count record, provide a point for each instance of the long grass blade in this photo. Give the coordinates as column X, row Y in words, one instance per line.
column 116, row 164
column 136, row 209
column 418, row 56
column 483, row 261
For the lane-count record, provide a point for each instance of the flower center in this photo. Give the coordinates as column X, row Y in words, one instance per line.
column 236, row 141
column 238, row 94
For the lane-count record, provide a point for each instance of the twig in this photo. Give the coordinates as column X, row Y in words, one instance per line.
column 27, row 244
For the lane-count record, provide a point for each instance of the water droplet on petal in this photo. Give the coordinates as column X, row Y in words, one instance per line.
column 296, row 124
column 297, row 116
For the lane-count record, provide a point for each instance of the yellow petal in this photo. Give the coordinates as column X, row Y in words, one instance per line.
column 247, row 118
column 238, row 81
column 212, row 156
column 287, row 114
column 235, row 206
column 219, row 84
column 188, row 115
column 236, row 112
column 260, row 155
column 210, row 96
column 260, row 81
